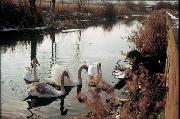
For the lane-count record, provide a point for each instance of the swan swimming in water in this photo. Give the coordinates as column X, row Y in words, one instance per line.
column 32, row 74
column 43, row 90
column 57, row 69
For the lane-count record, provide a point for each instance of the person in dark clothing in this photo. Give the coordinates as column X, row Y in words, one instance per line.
column 154, row 64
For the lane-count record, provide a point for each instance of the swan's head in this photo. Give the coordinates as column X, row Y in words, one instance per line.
column 65, row 73
column 84, row 66
column 34, row 62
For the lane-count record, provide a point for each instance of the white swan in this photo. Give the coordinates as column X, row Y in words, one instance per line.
column 68, row 81
column 57, row 69
column 94, row 69
column 43, row 90
column 31, row 74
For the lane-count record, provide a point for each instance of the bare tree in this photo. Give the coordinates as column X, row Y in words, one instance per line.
column 80, row 3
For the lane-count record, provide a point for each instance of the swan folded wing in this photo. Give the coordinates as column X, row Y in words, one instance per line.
column 49, row 81
column 92, row 70
column 70, row 82
column 31, row 76
column 56, row 72
column 39, row 89
column 28, row 75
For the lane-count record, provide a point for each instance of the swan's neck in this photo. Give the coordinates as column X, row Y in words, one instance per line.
column 99, row 72
column 79, row 75
column 62, row 82
column 35, row 72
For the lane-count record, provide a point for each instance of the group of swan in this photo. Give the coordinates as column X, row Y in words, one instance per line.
column 60, row 77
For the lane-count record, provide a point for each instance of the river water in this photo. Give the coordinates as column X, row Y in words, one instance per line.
column 94, row 44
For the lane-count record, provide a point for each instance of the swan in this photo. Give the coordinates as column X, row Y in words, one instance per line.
column 31, row 74
column 94, row 69
column 57, row 69
column 44, row 90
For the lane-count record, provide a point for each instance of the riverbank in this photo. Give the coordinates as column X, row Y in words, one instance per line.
column 64, row 16
column 148, row 95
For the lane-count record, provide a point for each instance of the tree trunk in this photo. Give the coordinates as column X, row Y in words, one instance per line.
column 33, row 6
column 79, row 4
column 53, row 4
column 40, row 3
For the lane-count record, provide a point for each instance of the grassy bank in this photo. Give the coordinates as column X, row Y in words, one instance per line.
column 66, row 15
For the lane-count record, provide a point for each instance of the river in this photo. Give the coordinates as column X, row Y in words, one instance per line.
column 94, row 44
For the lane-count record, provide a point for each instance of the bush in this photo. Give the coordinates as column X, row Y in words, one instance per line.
column 166, row 5
column 14, row 16
column 146, row 95
column 151, row 38
column 110, row 11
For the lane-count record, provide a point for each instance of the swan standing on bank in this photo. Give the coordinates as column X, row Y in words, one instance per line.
column 44, row 90
column 31, row 74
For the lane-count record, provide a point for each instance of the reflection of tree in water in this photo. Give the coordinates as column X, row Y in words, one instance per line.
column 108, row 24
column 53, row 51
column 11, row 39
column 78, row 45
column 33, row 48
column 35, row 102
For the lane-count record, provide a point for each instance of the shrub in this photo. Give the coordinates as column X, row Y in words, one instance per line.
column 146, row 94
column 14, row 16
column 109, row 11
column 151, row 38
column 166, row 5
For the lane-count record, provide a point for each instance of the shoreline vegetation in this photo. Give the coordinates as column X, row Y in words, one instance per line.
column 32, row 15
column 145, row 92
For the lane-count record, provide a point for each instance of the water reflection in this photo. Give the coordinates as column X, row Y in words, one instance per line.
column 53, row 48
column 94, row 44
column 11, row 39
column 35, row 102
column 129, row 21
column 108, row 24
